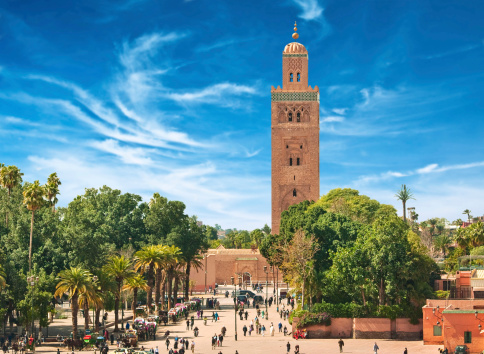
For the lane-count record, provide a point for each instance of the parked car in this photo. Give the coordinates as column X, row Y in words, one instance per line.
column 242, row 298
column 461, row 349
column 248, row 293
column 258, row 299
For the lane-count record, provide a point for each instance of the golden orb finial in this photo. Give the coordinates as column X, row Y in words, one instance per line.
column 295, row 35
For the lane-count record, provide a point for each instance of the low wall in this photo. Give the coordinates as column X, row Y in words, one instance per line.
column 407, row 331
column 373, row 328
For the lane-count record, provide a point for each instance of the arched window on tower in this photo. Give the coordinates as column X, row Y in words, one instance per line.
column 294, row 193
column 297, row 161
column 290, row 116
column 298, row 116
column 291, row 77
column 290, row 161
column 298, row 77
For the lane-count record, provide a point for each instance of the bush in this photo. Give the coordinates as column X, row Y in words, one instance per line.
column 308, row 318
column 441, row 294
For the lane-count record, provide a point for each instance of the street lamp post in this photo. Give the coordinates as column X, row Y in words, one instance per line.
column 94, row 279
column 236, row 303
column 267, row 275
column 32, row 281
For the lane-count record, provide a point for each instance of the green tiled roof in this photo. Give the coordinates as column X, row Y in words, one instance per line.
column 294, row 96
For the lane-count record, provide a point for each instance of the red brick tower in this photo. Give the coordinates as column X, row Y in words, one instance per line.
column 295, row 134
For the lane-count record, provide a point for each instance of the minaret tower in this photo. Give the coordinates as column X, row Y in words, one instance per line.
column 295, row 134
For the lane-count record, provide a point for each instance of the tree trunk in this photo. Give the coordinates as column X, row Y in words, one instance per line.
column 74, row 310
column 170, row 287
column 302, row 297
column 135, row 302
column 6, row 213
column 116, row 308
column 98, row 314
column 187, row 279
column 363, row 296
column 382, row 291
column 163, row 292
column 86, row 315
column 30, row 248
column 157, row 289
column 175, row 288
column 404, row 214
column 149, row 292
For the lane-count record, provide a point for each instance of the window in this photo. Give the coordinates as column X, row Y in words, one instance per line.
column 300, row 146
column 290, row 116
column 437, row 330
column 297, row 162
column 298, row 115
column 467, row 337
column 294, row 177
column 294, row 194
column 291, row 78
column 290, row 161
column 287, row 146
column 298, row 77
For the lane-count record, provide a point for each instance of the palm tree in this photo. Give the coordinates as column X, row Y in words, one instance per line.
column 468, row 212
column 104, row 285
column 146, row 260
column 404, row 194
column 120, row 268
column 33, row 199
column 442, row 243
column 197, row 264
column 52, row 189
column 10, row 177
column 172, row 264
column 74, row 281
column 89, row 298
column 133, row 284
column 433, row 224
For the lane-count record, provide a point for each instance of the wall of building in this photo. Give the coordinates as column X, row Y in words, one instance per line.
column 221, row 264
column 455, row 324
column 373, row 328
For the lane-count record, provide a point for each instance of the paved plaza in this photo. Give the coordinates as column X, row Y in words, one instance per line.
column 251, row 344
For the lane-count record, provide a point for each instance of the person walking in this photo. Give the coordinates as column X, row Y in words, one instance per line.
column 341, row 345
column 375, row 348
column 193, row 346
column 405, row 351
column 245, row 330
column 167, row 342
column 279, row 325
column 288, row 346
column 271, row 330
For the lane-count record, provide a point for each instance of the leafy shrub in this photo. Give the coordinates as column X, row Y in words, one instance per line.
column 308, row 318
column 441, row 294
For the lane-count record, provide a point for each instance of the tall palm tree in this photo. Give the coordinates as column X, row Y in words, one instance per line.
column 89, row 298
column 33, row 199
column 146, row 260
column 404, row 194
column 442, row 243
column 174, row 256
column 197, row 264
column 104, row 285
column 120, row 268
column 74, row 281
column 133, row 284
column 468, row 213
column 52, row 189
column 10, row 177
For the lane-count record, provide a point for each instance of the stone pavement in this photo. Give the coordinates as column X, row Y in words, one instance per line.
column 257, row 343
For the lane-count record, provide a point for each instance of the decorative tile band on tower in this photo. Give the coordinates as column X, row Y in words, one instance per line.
column 294, row 96
column 294, row 55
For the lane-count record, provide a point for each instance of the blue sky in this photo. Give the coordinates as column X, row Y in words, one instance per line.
column 174, row 97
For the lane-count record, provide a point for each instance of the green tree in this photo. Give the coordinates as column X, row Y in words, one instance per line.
column 162, row 217
column 10, row 177
column 442, row 242
column 74, row 281
column 52, row 189
column 33, row 199
column 121, row 269
column 468, row 213
column 132, row 285
column 404, row 194
column 146, row 260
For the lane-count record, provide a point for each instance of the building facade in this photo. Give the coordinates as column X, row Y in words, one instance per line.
column 295, row 134
column 223, row 266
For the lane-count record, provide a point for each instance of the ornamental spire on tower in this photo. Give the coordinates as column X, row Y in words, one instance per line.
column 295, row 35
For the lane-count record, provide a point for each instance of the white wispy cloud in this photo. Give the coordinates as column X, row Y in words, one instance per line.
column 340, row 111
column 455, row 51
column 212, row 94
column 129, row 155
column 311, row 10
column 332, row 119
column 431, row 168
